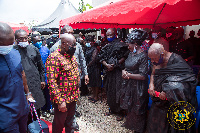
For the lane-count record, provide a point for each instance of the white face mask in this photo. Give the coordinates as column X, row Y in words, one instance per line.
column 4, row 50
column 23, row 44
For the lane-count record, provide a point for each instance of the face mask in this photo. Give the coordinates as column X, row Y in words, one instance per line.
column 87, row 45
column 4, row 50
column 54, row 35
column 160, row 61
column 154, row 35
column 111, row 39
column 38, row 44
column 71, row 51
column 23, row 44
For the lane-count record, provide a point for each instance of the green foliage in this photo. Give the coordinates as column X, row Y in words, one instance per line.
column 90, row 7
column 82, row 6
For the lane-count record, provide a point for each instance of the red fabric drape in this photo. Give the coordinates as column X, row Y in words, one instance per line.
column 138, row 14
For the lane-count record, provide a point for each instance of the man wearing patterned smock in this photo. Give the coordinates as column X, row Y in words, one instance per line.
column 63, row 80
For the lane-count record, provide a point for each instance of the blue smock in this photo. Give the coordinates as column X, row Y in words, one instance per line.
column 13, row 104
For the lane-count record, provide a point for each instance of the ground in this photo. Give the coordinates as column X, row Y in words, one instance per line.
column 92, row 118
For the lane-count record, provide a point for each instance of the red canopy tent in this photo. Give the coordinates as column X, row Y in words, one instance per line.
column 138, row 14
column 17, row 26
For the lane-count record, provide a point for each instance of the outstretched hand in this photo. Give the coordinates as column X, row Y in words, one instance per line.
column 62, row 107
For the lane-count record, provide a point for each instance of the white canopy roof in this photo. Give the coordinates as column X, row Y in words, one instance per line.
column 64, row 10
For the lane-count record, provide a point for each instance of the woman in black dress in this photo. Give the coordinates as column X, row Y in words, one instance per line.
column 134, row 92
column 93, row 67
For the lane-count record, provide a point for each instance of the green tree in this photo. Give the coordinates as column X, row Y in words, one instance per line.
column 82, row 6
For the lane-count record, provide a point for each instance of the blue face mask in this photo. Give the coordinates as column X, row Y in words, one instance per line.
column 4, row 50
column 54, row 35
column 87, row 45
column 111, row 39
column 160, row 61
column 38, row 44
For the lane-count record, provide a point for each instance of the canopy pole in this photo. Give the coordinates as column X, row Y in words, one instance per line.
column 159, row 14
column 59, row 30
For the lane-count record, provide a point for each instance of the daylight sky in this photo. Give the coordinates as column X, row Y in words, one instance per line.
column 17, row 11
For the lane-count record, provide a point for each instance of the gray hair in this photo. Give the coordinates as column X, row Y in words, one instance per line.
column 156, row 48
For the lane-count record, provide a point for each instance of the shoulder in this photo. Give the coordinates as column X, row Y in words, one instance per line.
column 15, row 52
column 14, row 56
column 15, row 47
column 118, row 41
column 45, row 48
column 32, row 47
column 78, row 45
column 175, row 58
column 143, row 55
column 106, row 46
column 52, row 57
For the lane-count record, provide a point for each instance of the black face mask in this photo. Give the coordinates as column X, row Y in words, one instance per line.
column 71, row 51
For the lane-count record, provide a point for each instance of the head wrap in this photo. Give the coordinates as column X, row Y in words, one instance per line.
column 137, row 36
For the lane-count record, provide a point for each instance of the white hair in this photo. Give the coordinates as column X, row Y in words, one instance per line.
column 156, row 48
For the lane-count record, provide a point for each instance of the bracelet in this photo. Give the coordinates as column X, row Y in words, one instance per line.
column 28, row 94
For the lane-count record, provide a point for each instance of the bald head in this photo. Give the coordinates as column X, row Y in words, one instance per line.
column 6, row 34
column 68, row 37
column 111, row 32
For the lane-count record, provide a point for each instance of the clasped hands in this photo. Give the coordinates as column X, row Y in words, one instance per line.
column 125, row 74
column 110, row 67
column 162, row 95
column 62, row 107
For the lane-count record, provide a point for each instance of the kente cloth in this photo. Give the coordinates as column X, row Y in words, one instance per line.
column 34, row 70
column 179, row 83
column 134, row 93
column 111, row 54
column 63, row 77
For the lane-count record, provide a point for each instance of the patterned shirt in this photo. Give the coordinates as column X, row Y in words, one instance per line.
column 145, row 46
column 63, row 77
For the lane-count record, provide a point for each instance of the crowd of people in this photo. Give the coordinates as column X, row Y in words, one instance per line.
column 56, row 71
